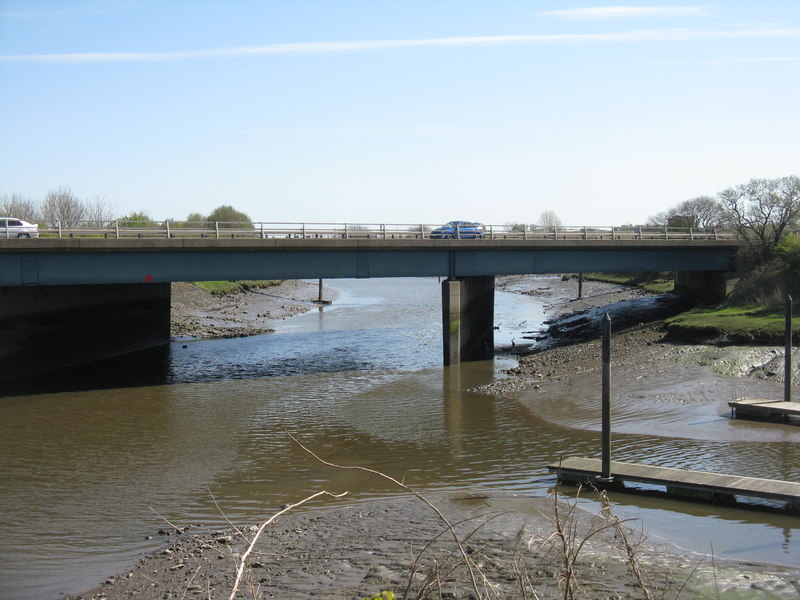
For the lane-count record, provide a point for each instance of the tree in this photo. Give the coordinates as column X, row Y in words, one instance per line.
column 135, row 219
column 98, row 212
column 62, row 205
column 703, row 211
column 761, row 210
column 549, row 218
column 227, row 216
column 19, row 207
column 514, row 226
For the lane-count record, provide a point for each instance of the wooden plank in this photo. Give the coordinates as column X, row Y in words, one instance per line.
column 721, row 483
column 764, row 406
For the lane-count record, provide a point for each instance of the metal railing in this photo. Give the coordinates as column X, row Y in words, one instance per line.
column 287, row 230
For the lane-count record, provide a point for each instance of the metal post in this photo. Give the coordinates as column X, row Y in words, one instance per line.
column 320, row 291
column 606, row 462
column 580, row 285
column 787, row 361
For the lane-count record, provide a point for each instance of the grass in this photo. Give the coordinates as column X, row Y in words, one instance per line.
column 733, row 321
column 221, row 288
column 655, row 282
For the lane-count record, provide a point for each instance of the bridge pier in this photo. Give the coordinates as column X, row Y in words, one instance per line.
column 43, row 328
column 468, row 319
column 708, row 287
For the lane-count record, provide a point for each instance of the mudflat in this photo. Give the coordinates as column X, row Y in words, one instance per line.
column 510, row 547
column 199, row 314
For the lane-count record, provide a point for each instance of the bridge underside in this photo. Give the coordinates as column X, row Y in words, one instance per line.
column 68, row 303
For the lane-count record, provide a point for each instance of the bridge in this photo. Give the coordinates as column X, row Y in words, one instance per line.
column 64, row 292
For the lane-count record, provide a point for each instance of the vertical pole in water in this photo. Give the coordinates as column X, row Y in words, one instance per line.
column 320, row 291
column 606, row 462
column 787, row 361
column 580, row 286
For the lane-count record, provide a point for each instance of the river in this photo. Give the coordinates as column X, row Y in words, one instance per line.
column 91, row 467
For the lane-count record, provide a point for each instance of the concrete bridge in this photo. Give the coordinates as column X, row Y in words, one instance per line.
column 64, row 301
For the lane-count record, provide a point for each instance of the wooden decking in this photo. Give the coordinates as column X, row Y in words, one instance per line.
column 760, row 408
column 681, row 482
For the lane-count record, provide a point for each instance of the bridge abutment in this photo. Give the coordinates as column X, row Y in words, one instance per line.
column 43, row 328
column 468, row 319
column 705, row 286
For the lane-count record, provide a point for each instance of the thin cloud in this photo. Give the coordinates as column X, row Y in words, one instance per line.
column 628, row 12
column 653, row 35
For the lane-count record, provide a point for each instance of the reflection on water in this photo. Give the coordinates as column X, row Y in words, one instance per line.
column 360, row 384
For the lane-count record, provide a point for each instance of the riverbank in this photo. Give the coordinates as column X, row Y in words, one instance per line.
column 511, row 546
column 196, row 313
column 640, row 340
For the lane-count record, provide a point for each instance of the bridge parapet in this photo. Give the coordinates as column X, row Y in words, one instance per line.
column 288, row 230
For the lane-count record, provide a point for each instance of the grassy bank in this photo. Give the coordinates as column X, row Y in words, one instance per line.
column 654, row 282
column 730, row 322
column 221, row 288
column 733, row 324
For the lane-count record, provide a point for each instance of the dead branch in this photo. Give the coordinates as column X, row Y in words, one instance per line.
column 243, row 559
column 414, row 493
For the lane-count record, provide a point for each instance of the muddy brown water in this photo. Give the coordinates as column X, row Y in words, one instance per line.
column 87, row 475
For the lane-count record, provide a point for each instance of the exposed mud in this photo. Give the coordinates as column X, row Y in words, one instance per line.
column 356, row 551
column 198, row 314
column 639, row 338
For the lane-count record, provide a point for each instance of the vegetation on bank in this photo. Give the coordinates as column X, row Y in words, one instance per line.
column 756, row 310
column 746, row 324
column 221, row 288
column 653, row 282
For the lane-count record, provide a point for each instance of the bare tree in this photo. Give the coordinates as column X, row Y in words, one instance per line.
column 549, row 218
column 16, row 205
column 762, row 209
column 62, row 205
column 98, row 212
column 703, row 211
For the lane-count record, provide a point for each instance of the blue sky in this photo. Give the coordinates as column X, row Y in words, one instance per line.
column 397, row 111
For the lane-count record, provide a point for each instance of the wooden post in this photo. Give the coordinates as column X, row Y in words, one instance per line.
column 605, row 473
column 787, row 361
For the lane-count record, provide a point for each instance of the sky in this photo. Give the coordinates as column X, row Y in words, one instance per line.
column 408, row 111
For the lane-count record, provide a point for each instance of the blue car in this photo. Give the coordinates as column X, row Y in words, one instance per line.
column 458, row 229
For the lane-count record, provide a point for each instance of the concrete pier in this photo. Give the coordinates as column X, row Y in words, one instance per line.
column 468, row 319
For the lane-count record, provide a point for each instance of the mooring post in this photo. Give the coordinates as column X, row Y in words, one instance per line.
column 605, row 474
column 787, row 361
column 320, row 291
column 580, row 286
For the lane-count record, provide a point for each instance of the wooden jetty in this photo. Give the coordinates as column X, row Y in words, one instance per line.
column 761, row 408
column 695, row 485
column 683, row 483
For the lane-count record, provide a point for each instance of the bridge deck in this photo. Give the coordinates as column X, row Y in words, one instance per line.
column 681, row 480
